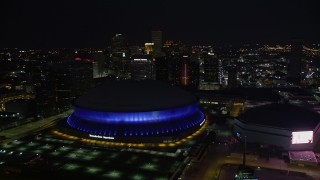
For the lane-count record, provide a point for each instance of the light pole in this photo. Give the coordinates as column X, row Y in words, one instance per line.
column 245, row 151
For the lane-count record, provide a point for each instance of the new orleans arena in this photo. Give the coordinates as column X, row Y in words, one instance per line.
column 285, row 126
column 136, row 111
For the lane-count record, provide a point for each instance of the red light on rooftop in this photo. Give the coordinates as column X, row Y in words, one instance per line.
column 77, row 59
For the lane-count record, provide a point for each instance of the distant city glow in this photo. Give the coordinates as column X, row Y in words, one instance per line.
column 302, row 137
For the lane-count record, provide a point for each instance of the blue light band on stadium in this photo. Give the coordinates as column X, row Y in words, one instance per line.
column 152, row 123
column 135, row 117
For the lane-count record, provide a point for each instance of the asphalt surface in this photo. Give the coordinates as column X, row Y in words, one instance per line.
column 218, row 156
column 20, row 131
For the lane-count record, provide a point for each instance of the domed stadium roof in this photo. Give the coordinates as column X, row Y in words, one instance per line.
column 284, row 116
column 132, row 96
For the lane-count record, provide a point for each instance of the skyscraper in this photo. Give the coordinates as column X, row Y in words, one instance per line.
column 119, row 64
column 142, row 67
column 232, row 77
column 211, row 71
column 211, row 68
column 187, row 72
column 163, row 69
column 157, row 40
column 119, row 44
column 148, row 48
column 99, row 64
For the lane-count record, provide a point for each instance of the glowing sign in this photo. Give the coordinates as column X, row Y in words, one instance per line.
column 202, row 122
column 140, row 59
column 100, row 137
column 302, row 137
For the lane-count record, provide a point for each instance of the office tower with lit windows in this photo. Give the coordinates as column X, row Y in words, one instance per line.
column 119, row 44
column 187, row 72
column 142, row 67
column 211, row 68
column 99, row 64
column 44, row 86
column 119, row 62
column 211, row 77
column 73, row 78
column 148, row 48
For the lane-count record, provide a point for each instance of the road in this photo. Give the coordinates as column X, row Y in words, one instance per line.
column 17, row 132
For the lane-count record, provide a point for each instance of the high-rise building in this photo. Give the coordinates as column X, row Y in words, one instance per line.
column 99, row 64
column 294, row 64
column 232, row 77
column 162, row 69
column 211, row 68
column 44, row 84
column 119, row 44
column 119, row 62
column 142, row 67
column 157, row 40
column 187, row 72
column 73, row 77
column 148, row 48
column 63, row 86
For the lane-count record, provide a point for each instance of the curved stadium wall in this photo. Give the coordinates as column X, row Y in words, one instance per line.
column 158, row 125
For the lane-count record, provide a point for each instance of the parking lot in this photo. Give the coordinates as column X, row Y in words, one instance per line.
column 66, row 159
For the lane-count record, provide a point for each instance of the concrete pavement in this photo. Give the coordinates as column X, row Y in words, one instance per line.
column 217, row 156
column 20, row 131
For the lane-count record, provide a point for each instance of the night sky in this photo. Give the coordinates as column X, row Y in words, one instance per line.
column 79, row 23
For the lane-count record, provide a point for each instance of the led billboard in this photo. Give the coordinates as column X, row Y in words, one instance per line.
column 302, row 137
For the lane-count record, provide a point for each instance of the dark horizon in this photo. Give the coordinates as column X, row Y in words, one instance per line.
column 78, row 24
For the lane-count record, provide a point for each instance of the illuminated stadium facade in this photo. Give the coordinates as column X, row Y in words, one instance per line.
column 141, row 111
column 285, row 126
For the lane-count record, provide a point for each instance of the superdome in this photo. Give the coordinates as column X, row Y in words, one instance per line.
column 124, row 110
column 285, row 116
column 130, row 96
